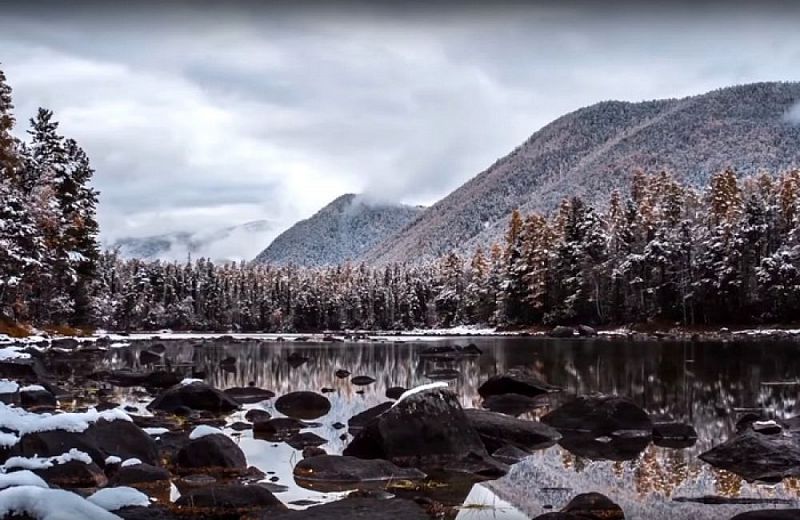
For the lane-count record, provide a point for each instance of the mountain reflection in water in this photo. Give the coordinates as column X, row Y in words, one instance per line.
column 708, row 385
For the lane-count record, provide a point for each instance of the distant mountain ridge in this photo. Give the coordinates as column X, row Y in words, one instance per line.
column 232, row 243
column 591, row 151
column 341, row 231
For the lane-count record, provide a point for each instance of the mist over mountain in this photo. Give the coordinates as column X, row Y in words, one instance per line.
column 343, row 230
column 228, row 244
column 591, row 151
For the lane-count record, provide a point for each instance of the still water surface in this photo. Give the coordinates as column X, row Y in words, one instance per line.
column 706, row 384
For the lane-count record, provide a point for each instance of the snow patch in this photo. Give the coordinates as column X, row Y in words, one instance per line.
column 155, row 431
column 112, row 459
column 204, row 430
column 8, row 353
column 130, row 462
column 49, row 504
column 47, row 462
column 24, row 422
column 33, row 388
column 21, row 478
column 190, row 381
column 112, row 499
column 8, row 387
column 420, row 389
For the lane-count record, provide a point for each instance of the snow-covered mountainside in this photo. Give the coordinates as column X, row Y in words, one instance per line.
column 751, row 128
column 232, row 243
column 340, row 231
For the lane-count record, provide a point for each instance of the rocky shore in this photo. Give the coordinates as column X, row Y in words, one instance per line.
column 70, row 449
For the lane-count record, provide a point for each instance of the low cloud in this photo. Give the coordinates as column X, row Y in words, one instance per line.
column 793, row 114
column 208, row 118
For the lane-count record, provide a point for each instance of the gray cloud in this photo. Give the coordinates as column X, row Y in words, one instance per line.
column 198, row 118
column 793, row 115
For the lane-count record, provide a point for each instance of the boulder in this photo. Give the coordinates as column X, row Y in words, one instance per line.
column 674, row 435
column 278, row 429
column 249, row 394
column 255, row 415
column 342, row 374
column 756, row 456
column 196, row 396
column 600, row 416
column 101, row 440
column 604, row 448
column 362, row 380
column 65, row 343
column 299, row 441
column 427, row 430
column 355, row 508
column 139, row 474
column 303, row 405
column 594, row 506
column 212, row 452
column 514, row 404
column 586, row 331
column 497, row 430
column 395, row 392
column 228, row 501
column 22, row 370
column 73, row 474
column 339, row 470
column 562, row 331
column 358, row 421
column 37, row 399
column 515, row 381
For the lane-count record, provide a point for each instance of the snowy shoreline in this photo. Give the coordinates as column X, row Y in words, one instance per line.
column 121, row 339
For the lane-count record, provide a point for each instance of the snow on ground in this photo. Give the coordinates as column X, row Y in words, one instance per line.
column 8, row 353
column 23, row 422
column 21, row 478
column 49, row 504
column 420, row 389
column 204, row 430
column 8, row 387
column 112, row 499
column 130, row 462
column 47, row 462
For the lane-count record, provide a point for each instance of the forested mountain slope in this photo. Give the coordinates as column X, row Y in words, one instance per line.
column 595, row 149
column 340, row 231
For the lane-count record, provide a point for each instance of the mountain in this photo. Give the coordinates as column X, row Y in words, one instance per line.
column 233, row 243
column 340, row 231
column 591, row 151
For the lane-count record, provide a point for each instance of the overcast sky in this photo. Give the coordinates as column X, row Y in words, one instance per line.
column 206, row 117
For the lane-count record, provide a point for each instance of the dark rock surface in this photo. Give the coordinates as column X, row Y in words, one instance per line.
column 497, row 430
column 355, row 508
column 599, row 416
column 342, row 469
column 427, row 429
column 303, row 405
column 216, row 451
column 756, row 456
column 196, row 396
column 249, row 394
column 515, row 381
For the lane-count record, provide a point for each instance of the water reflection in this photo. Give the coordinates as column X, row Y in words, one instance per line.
column 705, row 384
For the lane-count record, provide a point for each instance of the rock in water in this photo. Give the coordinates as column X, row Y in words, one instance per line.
column 212, row 452
column 427, row 429
column 769, row 514
column 338, row 470
column 362, row 380
column 249, row 394
column 515, row 381
column 358, row 421
column 195, row 395
column 674, row 435
column 755, row 456
column 497, row 431
column 600, row 416
column 395, row 392
column 594, row 505
column 561, row 331
column 355, row 508
column 229, row 501
column 303, row 405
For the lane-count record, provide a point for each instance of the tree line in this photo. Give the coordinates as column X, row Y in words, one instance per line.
column 48, row 227
column 662, row 252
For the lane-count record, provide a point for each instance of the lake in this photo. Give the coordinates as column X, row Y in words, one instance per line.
column 709, row 385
